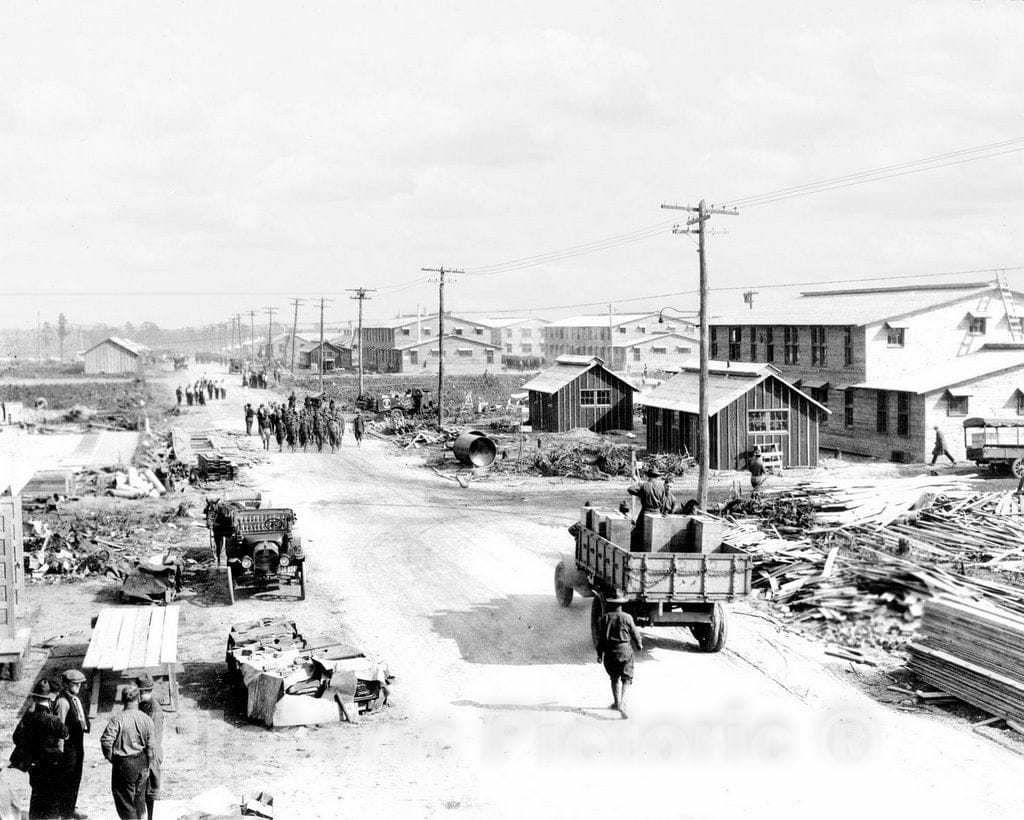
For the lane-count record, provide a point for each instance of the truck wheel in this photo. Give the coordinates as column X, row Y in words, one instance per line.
column 231, row 585
column 711, row 637
column 1018, row 467
column 302, row 582
column 563, row 592
column 596, row 613
column 397, row 414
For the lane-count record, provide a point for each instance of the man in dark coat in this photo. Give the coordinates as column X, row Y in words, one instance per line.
column 358, row 427
column 617, row 637
column 39, row 748
column 179, row 394
column 940, row 448
column 71, row 712
column 149, row 705
column 250, row 414
column 189, row 395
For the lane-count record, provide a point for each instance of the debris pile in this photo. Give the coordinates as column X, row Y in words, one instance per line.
column 591, row 459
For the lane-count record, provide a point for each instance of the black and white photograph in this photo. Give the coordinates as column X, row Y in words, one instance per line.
column 527, row 410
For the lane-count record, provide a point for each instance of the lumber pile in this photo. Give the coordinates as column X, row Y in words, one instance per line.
column 975, row 651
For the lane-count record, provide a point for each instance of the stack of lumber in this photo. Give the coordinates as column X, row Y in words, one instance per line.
column 213, row 467
column 974, row 650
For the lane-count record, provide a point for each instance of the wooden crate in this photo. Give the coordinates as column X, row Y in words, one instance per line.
column 14, row 639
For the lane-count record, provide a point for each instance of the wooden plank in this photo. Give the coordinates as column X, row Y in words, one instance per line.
column 137, row 653
column 169, row 643
column 104, row 638
column 122, row 652
column 156, row 631
column 94, row 693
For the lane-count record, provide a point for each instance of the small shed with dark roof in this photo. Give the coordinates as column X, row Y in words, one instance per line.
column 748, row 405
column 579, row 391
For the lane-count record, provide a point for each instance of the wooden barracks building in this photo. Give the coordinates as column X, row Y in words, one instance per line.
column 890, row 363
column 579, row 391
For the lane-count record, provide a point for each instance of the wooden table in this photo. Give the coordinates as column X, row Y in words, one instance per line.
column 133, row 640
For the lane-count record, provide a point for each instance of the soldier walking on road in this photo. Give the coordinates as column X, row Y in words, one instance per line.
column 358, row 426
column 189, row 394
column 250, row 414
column 150, row 706
column 940, row 448
column 39, row 749
column 179, row 394
column 617, row 636
column 72, row 714
column 127, row 742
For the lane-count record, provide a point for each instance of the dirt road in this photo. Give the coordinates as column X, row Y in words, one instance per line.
column 500, row 705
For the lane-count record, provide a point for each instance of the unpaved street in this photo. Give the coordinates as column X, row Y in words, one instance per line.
column 499, row 702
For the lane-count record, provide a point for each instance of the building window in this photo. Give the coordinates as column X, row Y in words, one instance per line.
column 464, row 353
column 622, row 329
column 714, row 343
column 771, row 422
column 414, row 357
column 791, row 342
column 435, row 353
column 902, row 414
column 427, row 331
column 406, row 331
column 882, row 411
column 847, row 346
column 682, row 349
column 527, row 348
column 735, row 343
column 819, row 347
column 636, row 354
column 895, row 336
column 458, row 331
column 641, row 329
column 508, row 348
column 489, row 355
column 769, row 344
column 848, row 408
column 753, row 343
column 659, row 351
column 956, row 405
column 479, row 331
column 820, row 394
column 977, row 326
column 670, row 328
column 1020, row 403
column 508, row 333
column 595, row 398
column 526, row 333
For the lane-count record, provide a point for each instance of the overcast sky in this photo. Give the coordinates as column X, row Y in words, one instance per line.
column 270, row 149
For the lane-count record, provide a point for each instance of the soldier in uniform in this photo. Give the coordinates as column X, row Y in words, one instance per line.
column 39, row 748
column 358, row 427
column 149, row 705
column 71, row 712
column 127, row 742
column 617, row 637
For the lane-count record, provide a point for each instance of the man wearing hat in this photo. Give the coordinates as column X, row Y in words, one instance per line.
column 127, row 742
column 150, row 706
column 39, row 746
column 617, row 636
column 69, row 709
column 655, row 498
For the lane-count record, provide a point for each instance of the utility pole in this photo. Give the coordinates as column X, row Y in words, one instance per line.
column 270, row 332
column 236, row 331
column 611, row 340
column 320, row 355
column 252, row 335
column 360, row 294
column 295, row 329
column 440, row 335
column 703, row 214
column 39, row 336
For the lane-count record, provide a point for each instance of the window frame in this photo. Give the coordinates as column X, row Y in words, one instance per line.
column 771, row 416
column 769, row 344
column 848, row 407
column 895, row 337
column 902, row 413
column 713, row 343
column 881, row 411
column 753, row 343
column 594, row 393
column 819, row 346
column 953, row 403
column 791, row 344
column 977, row 325
column 735, row 351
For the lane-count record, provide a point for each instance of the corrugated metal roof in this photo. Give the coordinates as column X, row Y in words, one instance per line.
column 853, row 307
column 950, row 373
column 566, row 369
column 602, row 319
column 725, row 384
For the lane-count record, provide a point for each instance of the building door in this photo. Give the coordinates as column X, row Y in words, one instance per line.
column 490, row 356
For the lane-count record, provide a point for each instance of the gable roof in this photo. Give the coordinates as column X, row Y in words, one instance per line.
column 856, row 307
column 726, row 383
column 507, row 321
column 431, row 341
column 134, row 348
column 988, row 361
column 602, row 319
column 309, row 348
column 660, row 337
column 567, row 369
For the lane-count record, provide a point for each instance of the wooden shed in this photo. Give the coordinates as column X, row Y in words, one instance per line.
column 748, row 405
column 579, row 391
column 335, row 357
column 114, row 355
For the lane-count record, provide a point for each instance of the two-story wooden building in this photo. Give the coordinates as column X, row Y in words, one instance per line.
column 859, row 352
column 599, row 334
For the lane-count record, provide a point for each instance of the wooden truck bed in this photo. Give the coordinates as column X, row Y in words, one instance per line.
column 665, row 576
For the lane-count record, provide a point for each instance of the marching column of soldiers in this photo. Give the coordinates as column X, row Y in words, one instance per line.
column 311, row 425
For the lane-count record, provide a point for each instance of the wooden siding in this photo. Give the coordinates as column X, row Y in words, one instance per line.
column 108, row 357
column 863, row 438
column 562, row 411
column 481, row 360
column 730, row 439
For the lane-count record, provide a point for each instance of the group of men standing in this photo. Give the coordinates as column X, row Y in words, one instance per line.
column 313, row 424
column 200, row 391
column 49, row 744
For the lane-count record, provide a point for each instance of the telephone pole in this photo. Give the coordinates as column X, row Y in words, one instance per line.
column 270, row 332
column 703, row 214
column 320, row 355
column 236, row 330
column 360, row 294
column 295, row 329
column 252, row 335
column 440, row 335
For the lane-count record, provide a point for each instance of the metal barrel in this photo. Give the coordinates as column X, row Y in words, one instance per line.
column 474, row 449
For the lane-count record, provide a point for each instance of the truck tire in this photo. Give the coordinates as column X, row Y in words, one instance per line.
column 231, row 584
column 563, row 592
column 1018, row 467
column 596, row 613
column 302, row 581
column 711, row 637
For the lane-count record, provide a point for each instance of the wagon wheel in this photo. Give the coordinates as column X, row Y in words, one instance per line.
column 397, row 413
column 1018, row 467
column 563, row 592
column 711, row 637
column 231, row 584
column 302, row 581
column 596, row 613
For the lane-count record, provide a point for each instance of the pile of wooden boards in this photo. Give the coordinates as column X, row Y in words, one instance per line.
column 974, row 650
